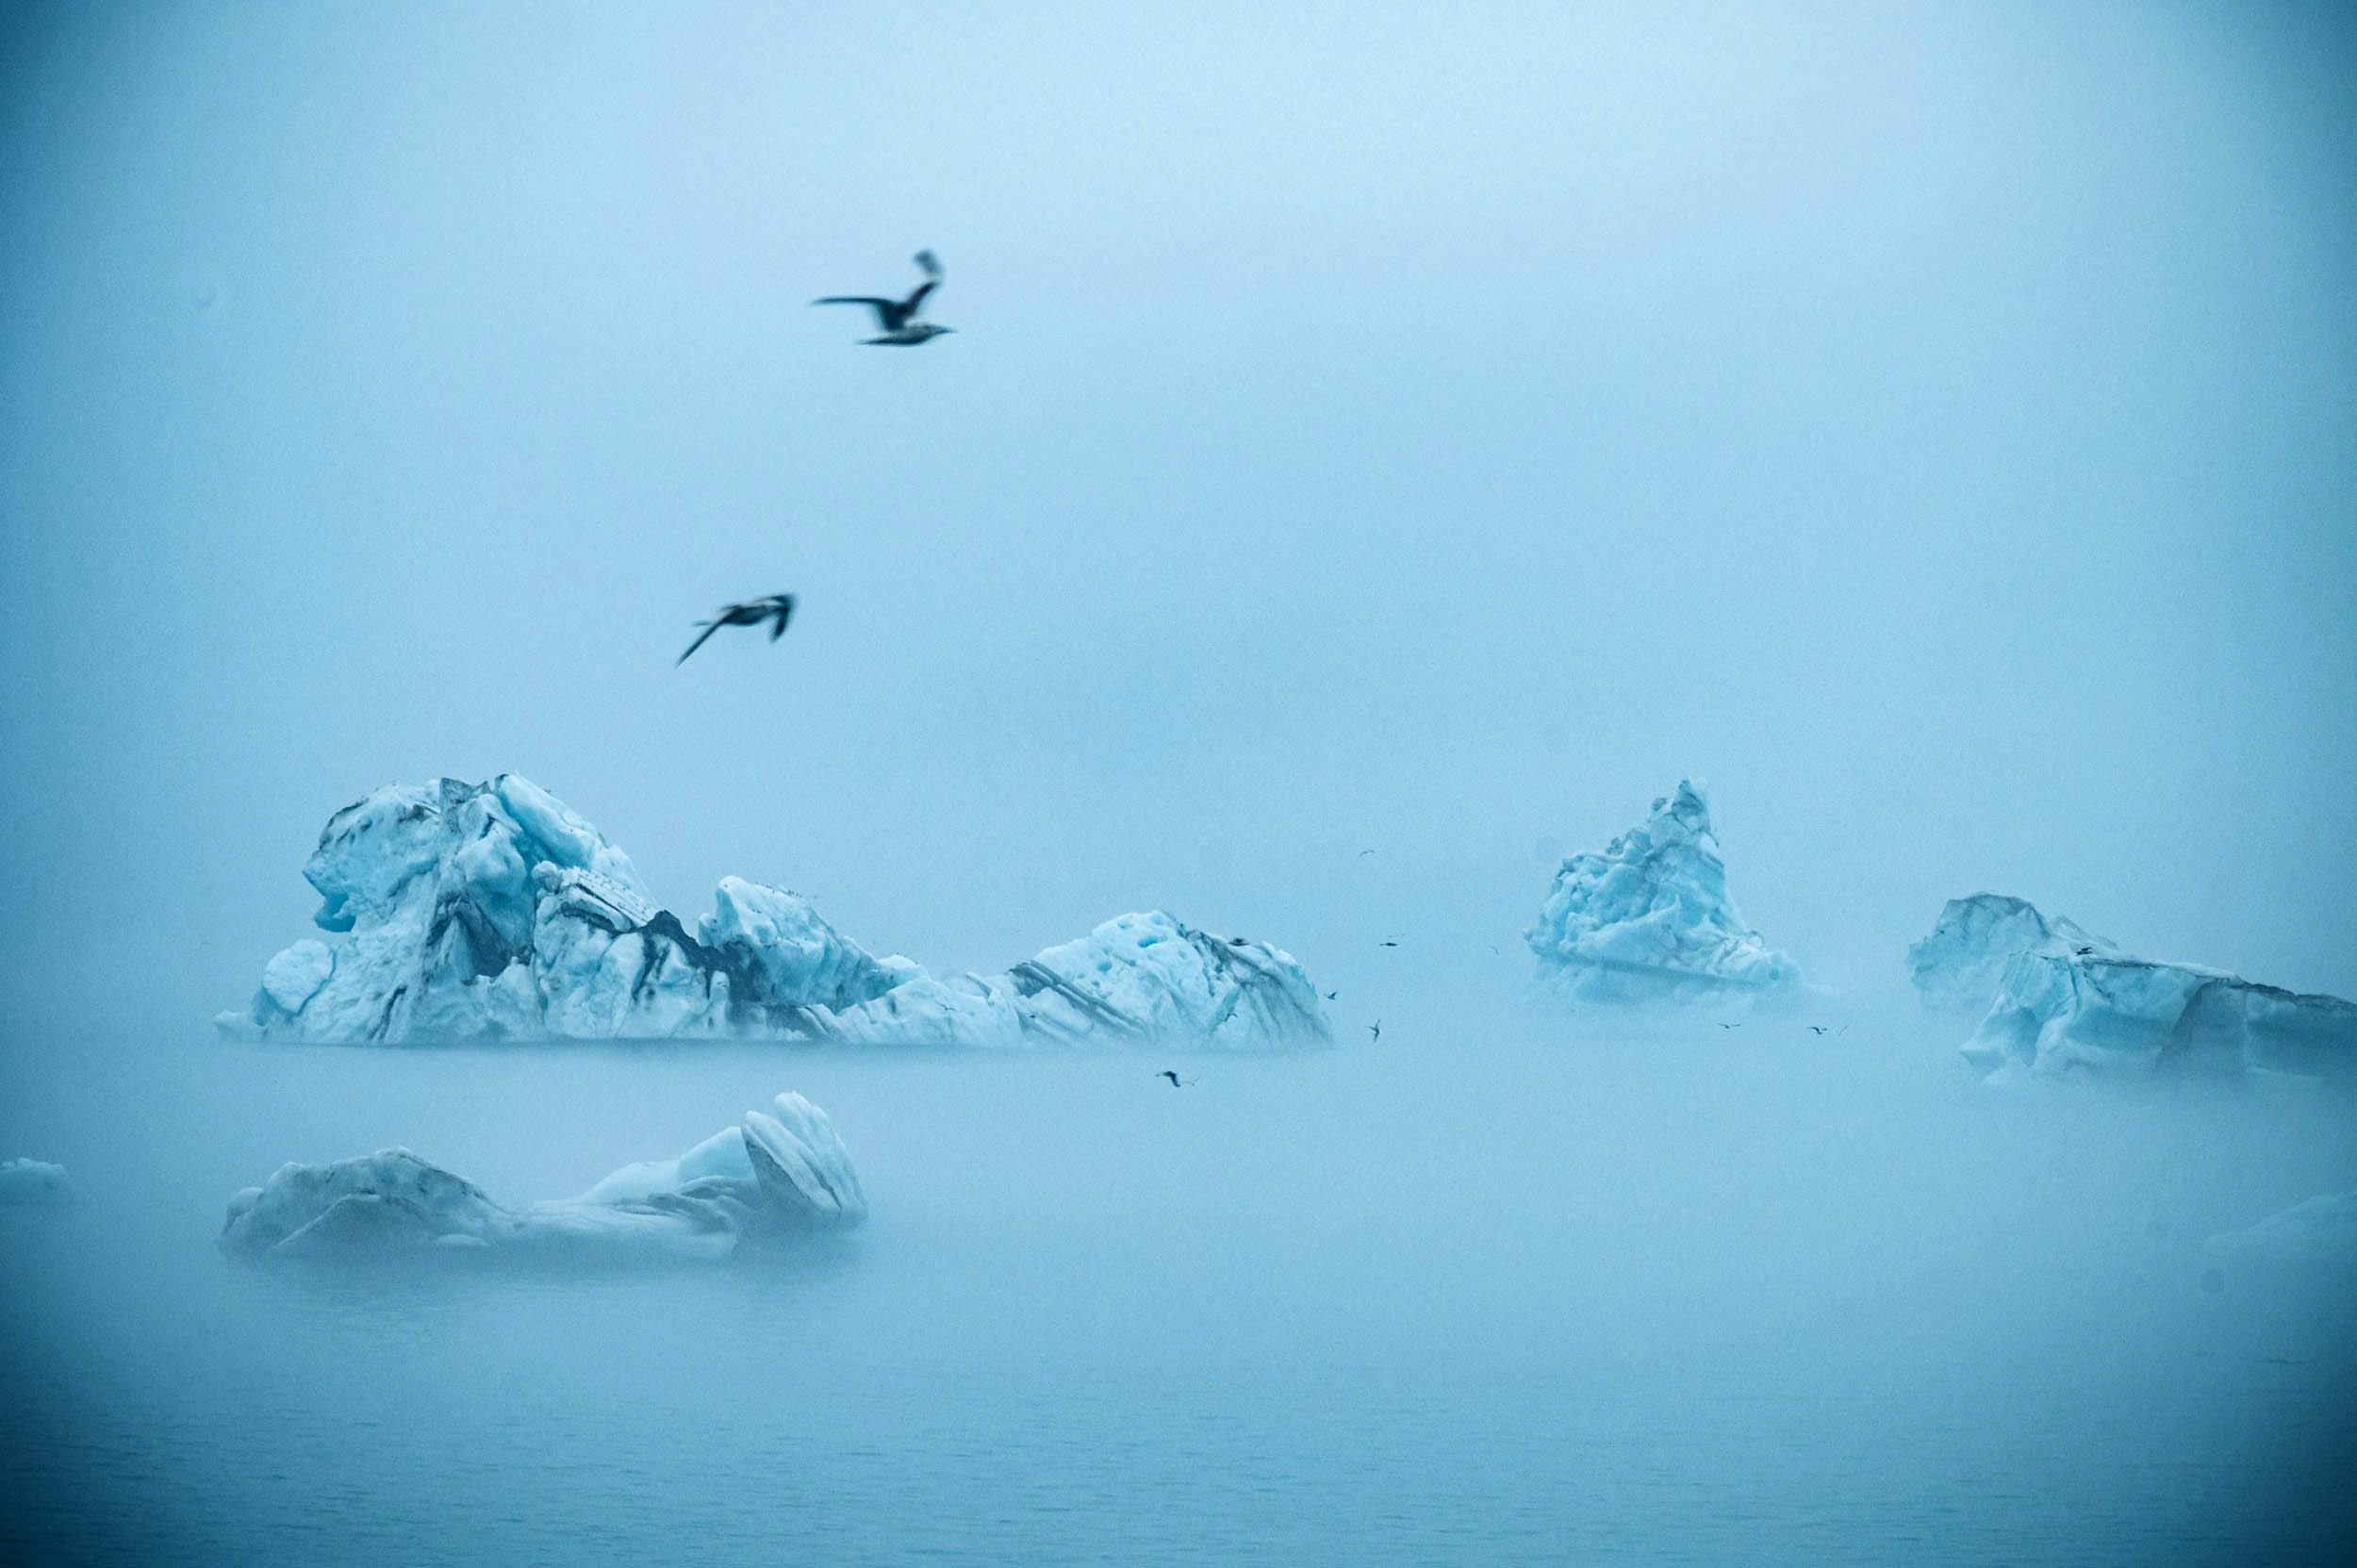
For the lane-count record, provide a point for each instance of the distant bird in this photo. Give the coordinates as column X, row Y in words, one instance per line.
column 897, row 318
column 1331, row 995
column 2084, row 953
column 752, row 612
column 1175, row 1082
column 1819, row 1028
column 1386, row 942
column 1730, row 1026
column 1376, row 1029
column 1364, row 853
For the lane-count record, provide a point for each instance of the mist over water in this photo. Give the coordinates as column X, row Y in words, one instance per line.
column 1426, row 430
column 1527, row 1294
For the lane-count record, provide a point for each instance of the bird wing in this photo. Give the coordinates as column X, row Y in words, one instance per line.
column 890, row 314
column 785, row 612
column 915, row 301
column 709, row 627
column 927, row 262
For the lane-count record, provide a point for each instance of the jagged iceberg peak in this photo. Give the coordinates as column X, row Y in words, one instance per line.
column 2060, row 1011
column 1961, row 962
column 475, row 911
column 781, row 1172
column 1649, row 919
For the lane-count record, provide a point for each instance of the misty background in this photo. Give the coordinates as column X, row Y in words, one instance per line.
column 1368, row 427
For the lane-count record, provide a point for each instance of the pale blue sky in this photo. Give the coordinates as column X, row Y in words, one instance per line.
column 1430, row 430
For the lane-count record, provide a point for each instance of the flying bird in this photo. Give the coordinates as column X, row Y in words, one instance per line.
column 1176, row 1081
column 896, row 319
column 1730, row 1026
column 778, row 609
column 1331, row 995
column 1386, row 942
column 1376, row 1029
column 1364, row 853
column 1819, row 1028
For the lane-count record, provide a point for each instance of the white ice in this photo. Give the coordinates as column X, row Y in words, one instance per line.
column 1961, row 962
column 1650, row 920
column 779, row 1172
column 34, row 1185
column 489, row 911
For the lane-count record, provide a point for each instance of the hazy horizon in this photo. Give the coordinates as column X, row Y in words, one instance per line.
column 1933, row 427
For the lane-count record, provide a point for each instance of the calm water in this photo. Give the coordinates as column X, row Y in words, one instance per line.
column 1504, row 1298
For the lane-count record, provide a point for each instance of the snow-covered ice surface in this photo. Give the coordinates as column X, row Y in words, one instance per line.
column 1961, row 962
column 493, row 910
column 34, row 1185
column 2320, row 1230
column 783, row 1171
column 1650, row 920
column 2060, row 1012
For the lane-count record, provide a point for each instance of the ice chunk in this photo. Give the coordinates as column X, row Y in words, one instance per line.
column 781, row 1171
column 1649, row 919
column 1143, row 978
column 1961, row 962
column 34, row 1185
column 2060, row 1011
column 2322, row 1229
column 292, row 978
column 473, row 911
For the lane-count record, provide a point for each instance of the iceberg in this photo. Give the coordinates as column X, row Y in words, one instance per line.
column 2322, row 1229
column 779, row 1173
column 34, row 1185
column 491, row 911
column 1649, row 919
column 2061, row 1010
column 1960, row 964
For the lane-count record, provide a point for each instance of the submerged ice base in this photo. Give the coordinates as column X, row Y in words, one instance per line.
column 493, row 910
column 1650, row 920
column 782, row 1172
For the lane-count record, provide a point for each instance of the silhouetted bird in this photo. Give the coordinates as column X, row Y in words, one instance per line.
column 1386, row 942
column 2084, row 953
column 1331, row 995
column 897, row 318
column 1175, row 1082
column 1819, row 1028
column 1364, row 853
column 1376, row 1029
column 752, row 612
column 1730, row 1026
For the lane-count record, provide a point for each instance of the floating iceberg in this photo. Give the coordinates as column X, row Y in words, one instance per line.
column 2059, row 1010
column 2323, row 1229
column 34, row 1185
column 781, row 1172
column 492, row 911
column 1962, row 962
column 1649, row 919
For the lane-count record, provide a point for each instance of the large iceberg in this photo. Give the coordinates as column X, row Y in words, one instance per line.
column 2060, row 1011
column 473, row 911
column 1961, row 961
column 782, row 1172
column 1649, row 919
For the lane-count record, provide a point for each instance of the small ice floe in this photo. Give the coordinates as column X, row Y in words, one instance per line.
column 779, row 1173
column 34, row 1185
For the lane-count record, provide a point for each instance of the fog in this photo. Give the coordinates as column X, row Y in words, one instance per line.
column 1426, row 430
column 1441, row 431
column 1555, row 1295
